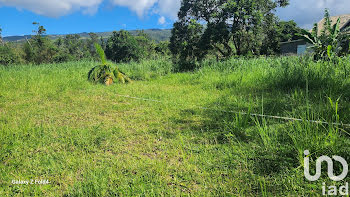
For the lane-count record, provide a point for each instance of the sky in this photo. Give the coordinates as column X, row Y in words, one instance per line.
column 76, row 16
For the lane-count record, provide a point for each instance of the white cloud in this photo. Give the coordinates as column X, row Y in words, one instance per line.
column 161, row 20
column 308, row 12
column 169, row 8
column 57, row 8
column 54, row 8
column 138, row 6
column 304, row 12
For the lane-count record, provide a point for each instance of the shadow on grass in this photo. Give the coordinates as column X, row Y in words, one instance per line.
column 223, row 129
column 274, row 150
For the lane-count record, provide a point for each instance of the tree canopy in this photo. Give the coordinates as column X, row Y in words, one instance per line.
column 227, row 26
column 123, row 47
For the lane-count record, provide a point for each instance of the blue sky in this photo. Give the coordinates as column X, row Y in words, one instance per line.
column 76, row 16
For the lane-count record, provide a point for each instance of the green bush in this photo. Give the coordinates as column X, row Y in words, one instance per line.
column 63, row 56
column 8, row 55
column 123, row 47
column 39, row 50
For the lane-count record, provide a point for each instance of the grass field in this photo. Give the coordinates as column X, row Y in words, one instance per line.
column 88, row 140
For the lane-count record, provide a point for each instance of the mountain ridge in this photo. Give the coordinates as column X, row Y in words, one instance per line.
column 157, row 35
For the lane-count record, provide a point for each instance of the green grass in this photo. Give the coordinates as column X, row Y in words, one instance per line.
column 89, row 141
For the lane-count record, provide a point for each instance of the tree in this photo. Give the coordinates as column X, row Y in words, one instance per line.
column 90, row 44
column 123, row 47
column 103, row 43
column 8, row 55
column 72, row 47
column 228, row 26
column 288, row 31
column 40, row 31
column 1, row 42
column 39, row 49
column 75, row 46
column 145, row 43
column 162, row 48
column 63, row 55
column 184, row 43
column 93, row 37
column 277, row 32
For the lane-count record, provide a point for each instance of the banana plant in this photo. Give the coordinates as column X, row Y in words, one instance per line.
column 106, row 73
column 334, row 44
column 313, row 38
column 329, row 43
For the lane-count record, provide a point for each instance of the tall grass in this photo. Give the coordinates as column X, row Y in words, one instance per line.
column 88, row 141
column 148, row 69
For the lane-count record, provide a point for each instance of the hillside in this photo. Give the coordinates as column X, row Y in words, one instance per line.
column 157, row 35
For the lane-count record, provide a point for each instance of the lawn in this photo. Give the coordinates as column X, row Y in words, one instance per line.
column 172, row 134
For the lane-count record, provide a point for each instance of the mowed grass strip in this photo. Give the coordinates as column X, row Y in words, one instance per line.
column 59, row 127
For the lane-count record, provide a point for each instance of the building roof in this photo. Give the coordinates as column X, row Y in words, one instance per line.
column 292, row 41
column 344, row 22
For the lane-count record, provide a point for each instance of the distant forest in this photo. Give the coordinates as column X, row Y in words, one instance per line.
column 157, row 35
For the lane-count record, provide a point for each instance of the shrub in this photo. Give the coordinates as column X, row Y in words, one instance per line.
column 63, row 56
column 8, row 55
column 39, row 50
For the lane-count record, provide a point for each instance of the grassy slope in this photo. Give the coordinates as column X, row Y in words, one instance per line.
column 86, row 140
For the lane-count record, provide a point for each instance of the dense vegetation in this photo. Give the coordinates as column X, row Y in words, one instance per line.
column 228, row 28
column 245, row 28
column 191, row 41
column 41, row 49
